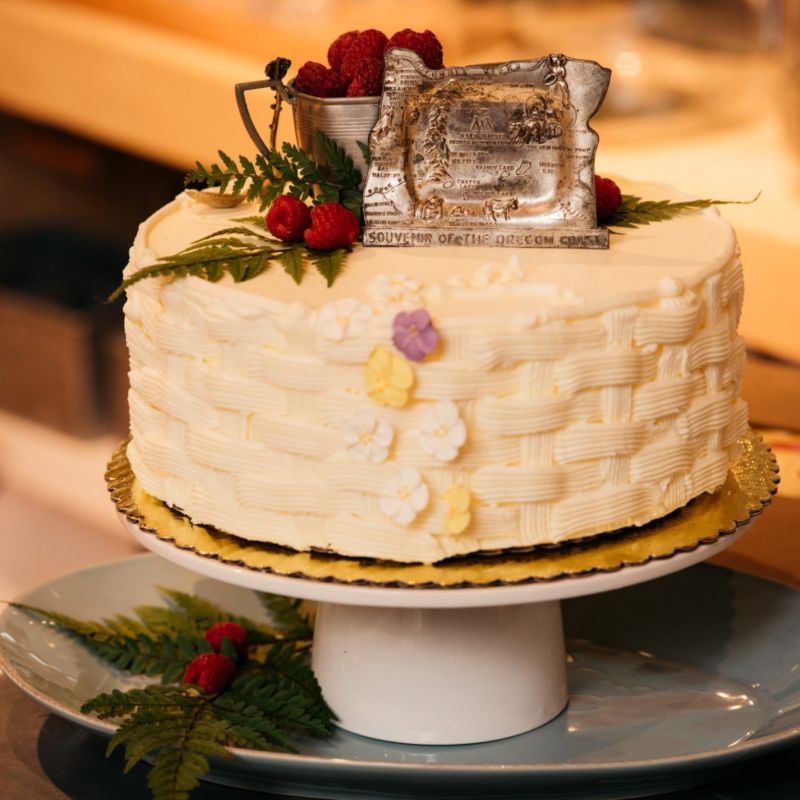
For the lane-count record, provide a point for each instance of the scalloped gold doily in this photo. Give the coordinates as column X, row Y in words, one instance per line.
column 749, row 487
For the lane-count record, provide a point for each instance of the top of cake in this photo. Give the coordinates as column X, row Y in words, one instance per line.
column 641, row 266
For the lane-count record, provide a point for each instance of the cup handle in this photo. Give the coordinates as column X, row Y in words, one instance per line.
column 281, row 93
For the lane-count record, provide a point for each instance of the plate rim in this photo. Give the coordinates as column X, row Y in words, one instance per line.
column 687, row 761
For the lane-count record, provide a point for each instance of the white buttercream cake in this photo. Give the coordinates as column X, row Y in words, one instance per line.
column 571, row 392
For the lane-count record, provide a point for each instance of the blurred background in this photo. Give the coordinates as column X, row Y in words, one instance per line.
column 105, row 103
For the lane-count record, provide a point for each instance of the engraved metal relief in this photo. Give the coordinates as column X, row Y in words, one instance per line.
column 496, row 155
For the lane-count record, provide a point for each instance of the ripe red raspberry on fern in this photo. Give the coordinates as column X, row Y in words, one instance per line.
column 212, row 672
column 332, row 226
column 287, row 218
column 607, row 196
column 227, row 630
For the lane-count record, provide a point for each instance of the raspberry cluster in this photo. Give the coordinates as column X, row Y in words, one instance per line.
column 214, row 672
column 323, row 227
column 356, row 62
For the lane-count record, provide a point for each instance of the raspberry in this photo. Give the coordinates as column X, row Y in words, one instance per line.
column 424, row 44
column 227, row 630
column 368, row 80
column 317, row 79
column 338, row 50
column 607, row 196
column 332, row 225
column 211, row 672
column 367, row 44
column 287, row 218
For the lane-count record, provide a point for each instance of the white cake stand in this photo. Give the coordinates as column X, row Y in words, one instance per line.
column 438, row 665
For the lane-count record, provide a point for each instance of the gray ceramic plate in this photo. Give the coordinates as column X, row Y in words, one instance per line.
column 672, row 683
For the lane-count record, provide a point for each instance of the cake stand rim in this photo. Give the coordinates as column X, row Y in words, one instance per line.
column 696, row 533
column 427, row 597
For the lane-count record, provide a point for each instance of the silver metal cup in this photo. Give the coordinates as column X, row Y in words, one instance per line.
column 347, row 120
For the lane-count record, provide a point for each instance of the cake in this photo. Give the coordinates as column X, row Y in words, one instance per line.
column 438, row 402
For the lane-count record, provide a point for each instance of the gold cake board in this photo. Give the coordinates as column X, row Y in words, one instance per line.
column 750, row 484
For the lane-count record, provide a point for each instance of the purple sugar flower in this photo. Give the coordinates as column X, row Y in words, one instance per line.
column 414, row 334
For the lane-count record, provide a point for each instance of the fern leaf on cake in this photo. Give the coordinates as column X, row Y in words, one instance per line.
column 288, row 171
column 635, row 212
column 329, row 263
column 294, row 262
column 211, row 259
column 342, row 174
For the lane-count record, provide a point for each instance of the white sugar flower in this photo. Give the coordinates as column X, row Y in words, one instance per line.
column 404, row 496
column 398, row 291
column 344, row 319
column 443, row 431
column 367, row 437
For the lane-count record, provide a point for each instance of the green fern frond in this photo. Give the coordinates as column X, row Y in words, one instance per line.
column 294, row 673
column 245, row 252
column 180, row 727
column 366, row 153
column 176, row 726
column 130, row 646
column 293, row 262
column 279, row 698
column 635, row 212
column 116, row 704
column 213, row 257
column 341, row 169
column 258, row 220
column 288, row 615
column 329, row 263
column 179, row 764
column 202, row 613
column 343, row 174
column 288, row 171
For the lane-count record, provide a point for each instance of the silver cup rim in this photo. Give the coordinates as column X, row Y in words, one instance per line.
column 333, row 101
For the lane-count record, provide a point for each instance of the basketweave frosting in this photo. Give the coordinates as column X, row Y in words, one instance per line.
column 569, row 392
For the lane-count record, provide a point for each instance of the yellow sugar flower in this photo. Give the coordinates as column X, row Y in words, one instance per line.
column 388, row 378
column 458, row 517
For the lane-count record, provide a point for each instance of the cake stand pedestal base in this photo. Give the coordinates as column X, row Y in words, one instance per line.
column 439, row 665
column 441, row 675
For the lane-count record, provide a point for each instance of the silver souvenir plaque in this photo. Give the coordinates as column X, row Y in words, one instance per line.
column 497, row 155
